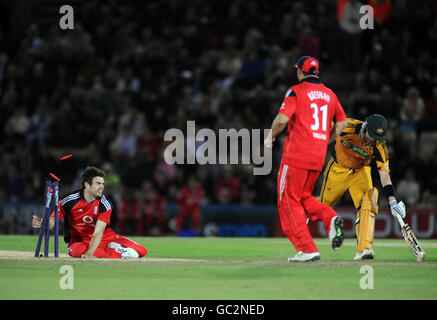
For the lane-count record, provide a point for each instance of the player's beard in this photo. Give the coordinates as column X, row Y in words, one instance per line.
column 97, row 193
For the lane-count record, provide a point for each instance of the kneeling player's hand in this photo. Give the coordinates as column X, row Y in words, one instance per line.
column 87, row 255
column 397, row 208
column 36, row 222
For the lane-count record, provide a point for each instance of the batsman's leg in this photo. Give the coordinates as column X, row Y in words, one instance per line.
column 334, row 185
column 366, row 225
column 366, row 201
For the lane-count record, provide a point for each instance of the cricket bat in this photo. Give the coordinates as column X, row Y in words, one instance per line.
column 410, row 238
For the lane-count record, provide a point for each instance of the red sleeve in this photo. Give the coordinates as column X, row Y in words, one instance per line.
column 61, row 212
column 105, row 210
column 340, row 115
column 288, row 106
column 105, row 216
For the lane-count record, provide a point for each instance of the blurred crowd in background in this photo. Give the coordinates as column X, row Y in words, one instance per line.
column 108, row 90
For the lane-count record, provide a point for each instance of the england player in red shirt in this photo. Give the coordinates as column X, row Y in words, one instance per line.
column 86, row 214
column 307, row 112
column 190, row 204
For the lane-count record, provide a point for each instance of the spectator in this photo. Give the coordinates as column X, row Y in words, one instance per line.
column 147, row 146
column 252, row 69
column 409, row 189
column 112, row 180
column 38, row 126
column 18, row 125
column 164, row 168
column 190, row 204
column 376, row 58
column 363, row 105
column 430, row 112
column 350, row 24
column 112, row 191
column 124, row 96
column 14, row 184
column 388, row 104
column 154, row 210
column 397, row 80
column 381, row 10
column 129, row 211
column 128, row 83
column 247, row 196
column 133, row 119
column 294, row 23
column 373, row 84
column 309, row 44
column 423, row 81
column 33, row 41
column 227, row 188
column 125, row 144
column 431, row 173
column 204, row 176
column 413, row 106
column 230, row 60
column 428, row 201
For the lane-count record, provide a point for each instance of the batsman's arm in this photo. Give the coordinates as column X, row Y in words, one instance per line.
column 278, row 125
column 387, row 184
column 389, row 192
column 96, row 239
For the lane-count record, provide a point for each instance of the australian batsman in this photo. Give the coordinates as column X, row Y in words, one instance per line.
column 349, row 168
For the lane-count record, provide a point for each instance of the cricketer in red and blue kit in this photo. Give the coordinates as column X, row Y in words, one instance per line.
column 190, row 204
column 307, row 114
column 86, row 210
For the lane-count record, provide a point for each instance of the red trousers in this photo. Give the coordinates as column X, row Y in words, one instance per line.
column 160, row 221
column 185, row 211
column 296, row 203
column 77, row 249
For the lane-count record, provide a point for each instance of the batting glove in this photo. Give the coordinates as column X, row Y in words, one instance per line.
column 397, row 208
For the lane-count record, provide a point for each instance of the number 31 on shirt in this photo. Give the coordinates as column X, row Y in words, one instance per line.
column 316, row 110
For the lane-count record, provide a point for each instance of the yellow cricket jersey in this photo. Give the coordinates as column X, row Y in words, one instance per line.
column 354, row 153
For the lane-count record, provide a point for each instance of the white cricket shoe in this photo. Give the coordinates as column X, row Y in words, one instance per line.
column 336, row 235
column 126, row 252
column 305, row 257
column 366, row 254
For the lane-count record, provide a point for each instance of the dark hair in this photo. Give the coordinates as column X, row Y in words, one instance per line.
column 90, row 173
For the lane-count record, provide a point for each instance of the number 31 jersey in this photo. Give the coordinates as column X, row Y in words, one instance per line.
column 311, row 108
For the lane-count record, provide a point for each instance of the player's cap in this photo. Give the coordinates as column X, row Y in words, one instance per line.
column 377, row 127
column 308, row 64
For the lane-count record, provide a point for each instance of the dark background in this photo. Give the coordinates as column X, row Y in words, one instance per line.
column 107, row 90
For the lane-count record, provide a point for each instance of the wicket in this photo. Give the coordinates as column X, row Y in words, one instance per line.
column 51, row 194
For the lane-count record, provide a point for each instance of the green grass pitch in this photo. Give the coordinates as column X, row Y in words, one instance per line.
column 219, row 269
